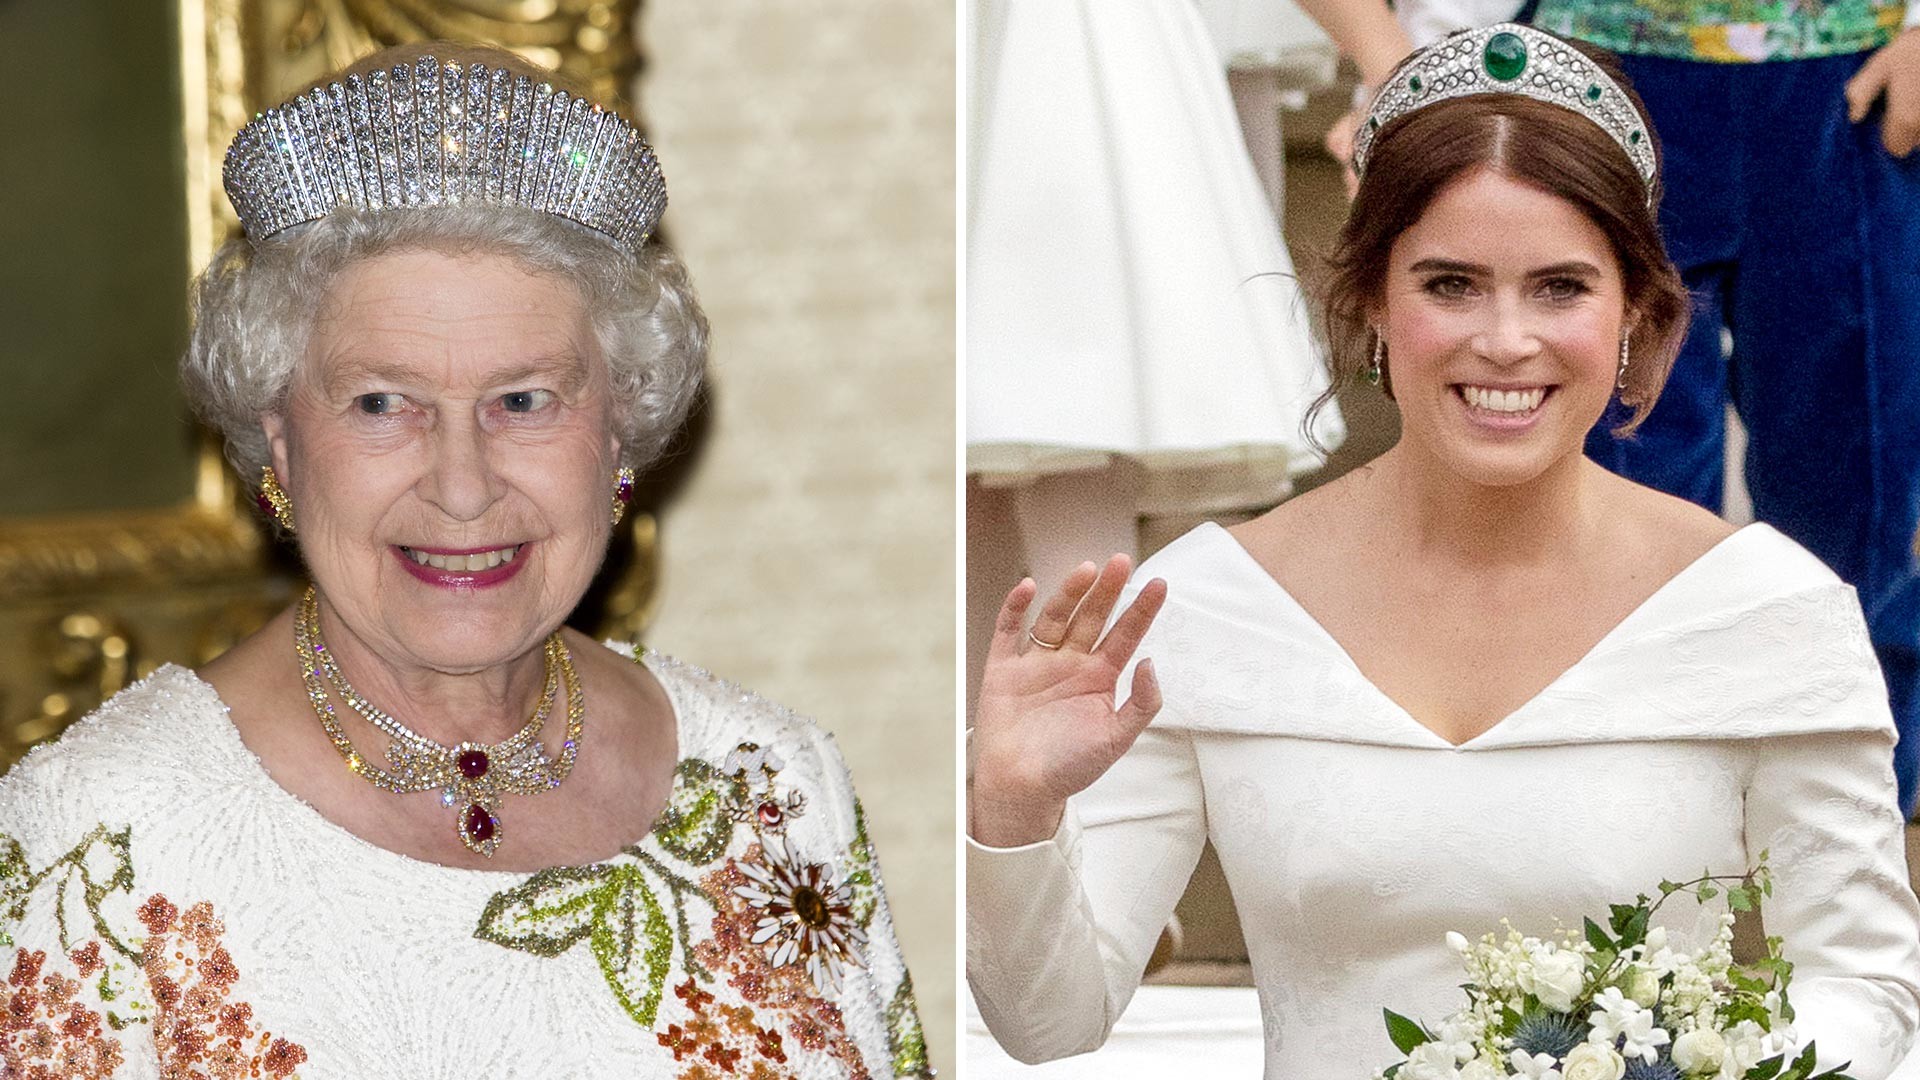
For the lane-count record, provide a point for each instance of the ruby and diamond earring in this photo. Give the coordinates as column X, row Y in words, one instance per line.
column 622, row 493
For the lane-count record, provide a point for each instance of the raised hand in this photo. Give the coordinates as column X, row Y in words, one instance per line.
column 1045, row 726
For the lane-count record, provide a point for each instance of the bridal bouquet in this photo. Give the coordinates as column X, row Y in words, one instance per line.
column 1616, row 1003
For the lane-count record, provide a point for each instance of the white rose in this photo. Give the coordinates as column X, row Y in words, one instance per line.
column 1699, row 1051
column 1480, row 1070
column 1558, row 978
column 1590, row 1061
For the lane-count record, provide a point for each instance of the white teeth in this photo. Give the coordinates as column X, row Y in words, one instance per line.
column 1504, row 401
column 484, row 560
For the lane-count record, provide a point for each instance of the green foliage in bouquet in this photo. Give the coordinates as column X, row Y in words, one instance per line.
column 1616, row 1002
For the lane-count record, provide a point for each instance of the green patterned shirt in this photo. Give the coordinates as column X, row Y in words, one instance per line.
column 1726, row 31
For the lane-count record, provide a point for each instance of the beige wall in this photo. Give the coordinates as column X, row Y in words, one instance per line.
column 809, row 153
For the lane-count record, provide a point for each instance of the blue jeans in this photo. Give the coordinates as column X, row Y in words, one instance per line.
column 1800, row 234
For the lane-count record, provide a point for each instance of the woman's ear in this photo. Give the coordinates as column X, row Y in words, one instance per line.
column 274, row 426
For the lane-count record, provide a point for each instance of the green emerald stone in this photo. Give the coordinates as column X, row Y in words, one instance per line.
column 1505, row 56
column 1593, row 93
column 1634, row 138
column 1414, row 84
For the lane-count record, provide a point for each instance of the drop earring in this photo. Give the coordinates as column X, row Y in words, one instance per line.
column 1375, row 373
column 622, row 492
column 273, row 501
column 1620, row 382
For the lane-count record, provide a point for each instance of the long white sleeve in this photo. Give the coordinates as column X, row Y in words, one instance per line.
column 1059, row 932
column 1823, row 807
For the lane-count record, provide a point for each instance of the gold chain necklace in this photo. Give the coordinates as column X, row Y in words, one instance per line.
column 472, row 777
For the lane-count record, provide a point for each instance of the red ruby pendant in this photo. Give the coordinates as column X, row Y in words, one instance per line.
column 472, row 763
column 770, row 814
column 478, row 824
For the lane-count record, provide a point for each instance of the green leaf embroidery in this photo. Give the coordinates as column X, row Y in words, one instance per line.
column 626, row 941
column 696, row 825
column 548, row 914
column 905, row 1037
column 98, row 866
column 866, row 898
column 680, row 890
column 611, row 907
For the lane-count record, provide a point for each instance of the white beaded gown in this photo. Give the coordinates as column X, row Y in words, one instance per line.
column 1739, row 709
column 167, row 910
column 1128, row 295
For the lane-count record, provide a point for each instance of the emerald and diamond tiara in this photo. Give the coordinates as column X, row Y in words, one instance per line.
column 429, row 134
column 1509, row 58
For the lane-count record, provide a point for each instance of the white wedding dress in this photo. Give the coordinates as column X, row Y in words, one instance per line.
column 1739, row 709
column 1128, row 294
column 167, row 909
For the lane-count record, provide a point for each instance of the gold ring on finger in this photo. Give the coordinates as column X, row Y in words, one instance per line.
column 1049, row 645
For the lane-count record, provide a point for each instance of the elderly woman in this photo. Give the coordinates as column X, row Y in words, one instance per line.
column 1478, row 678
column 414, row 827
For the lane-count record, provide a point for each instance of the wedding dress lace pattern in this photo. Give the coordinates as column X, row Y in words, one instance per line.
column 1739, row 709
column 167, row 909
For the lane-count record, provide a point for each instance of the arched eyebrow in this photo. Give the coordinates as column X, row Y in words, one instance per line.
column 564, row 372
column 1570, row 268
column 1448, row 266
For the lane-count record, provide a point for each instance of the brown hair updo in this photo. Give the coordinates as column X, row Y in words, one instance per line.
column 1548, row 146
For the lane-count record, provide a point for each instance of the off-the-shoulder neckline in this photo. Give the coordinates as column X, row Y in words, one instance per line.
column 1213, row 533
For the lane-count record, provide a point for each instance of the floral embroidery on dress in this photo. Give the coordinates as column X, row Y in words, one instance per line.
column 46, row 1032
column 784, row 931
column 197, row 1030
column 811, row 1020
column 804, row 917
column 720, row 1039
column 188, row 976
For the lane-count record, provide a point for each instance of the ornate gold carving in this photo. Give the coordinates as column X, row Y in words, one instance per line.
column 88, row 657
column 56, row 557
column 301, row 40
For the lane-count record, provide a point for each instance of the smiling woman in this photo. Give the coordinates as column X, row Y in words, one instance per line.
column 1479, row 678
column 414, row 826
